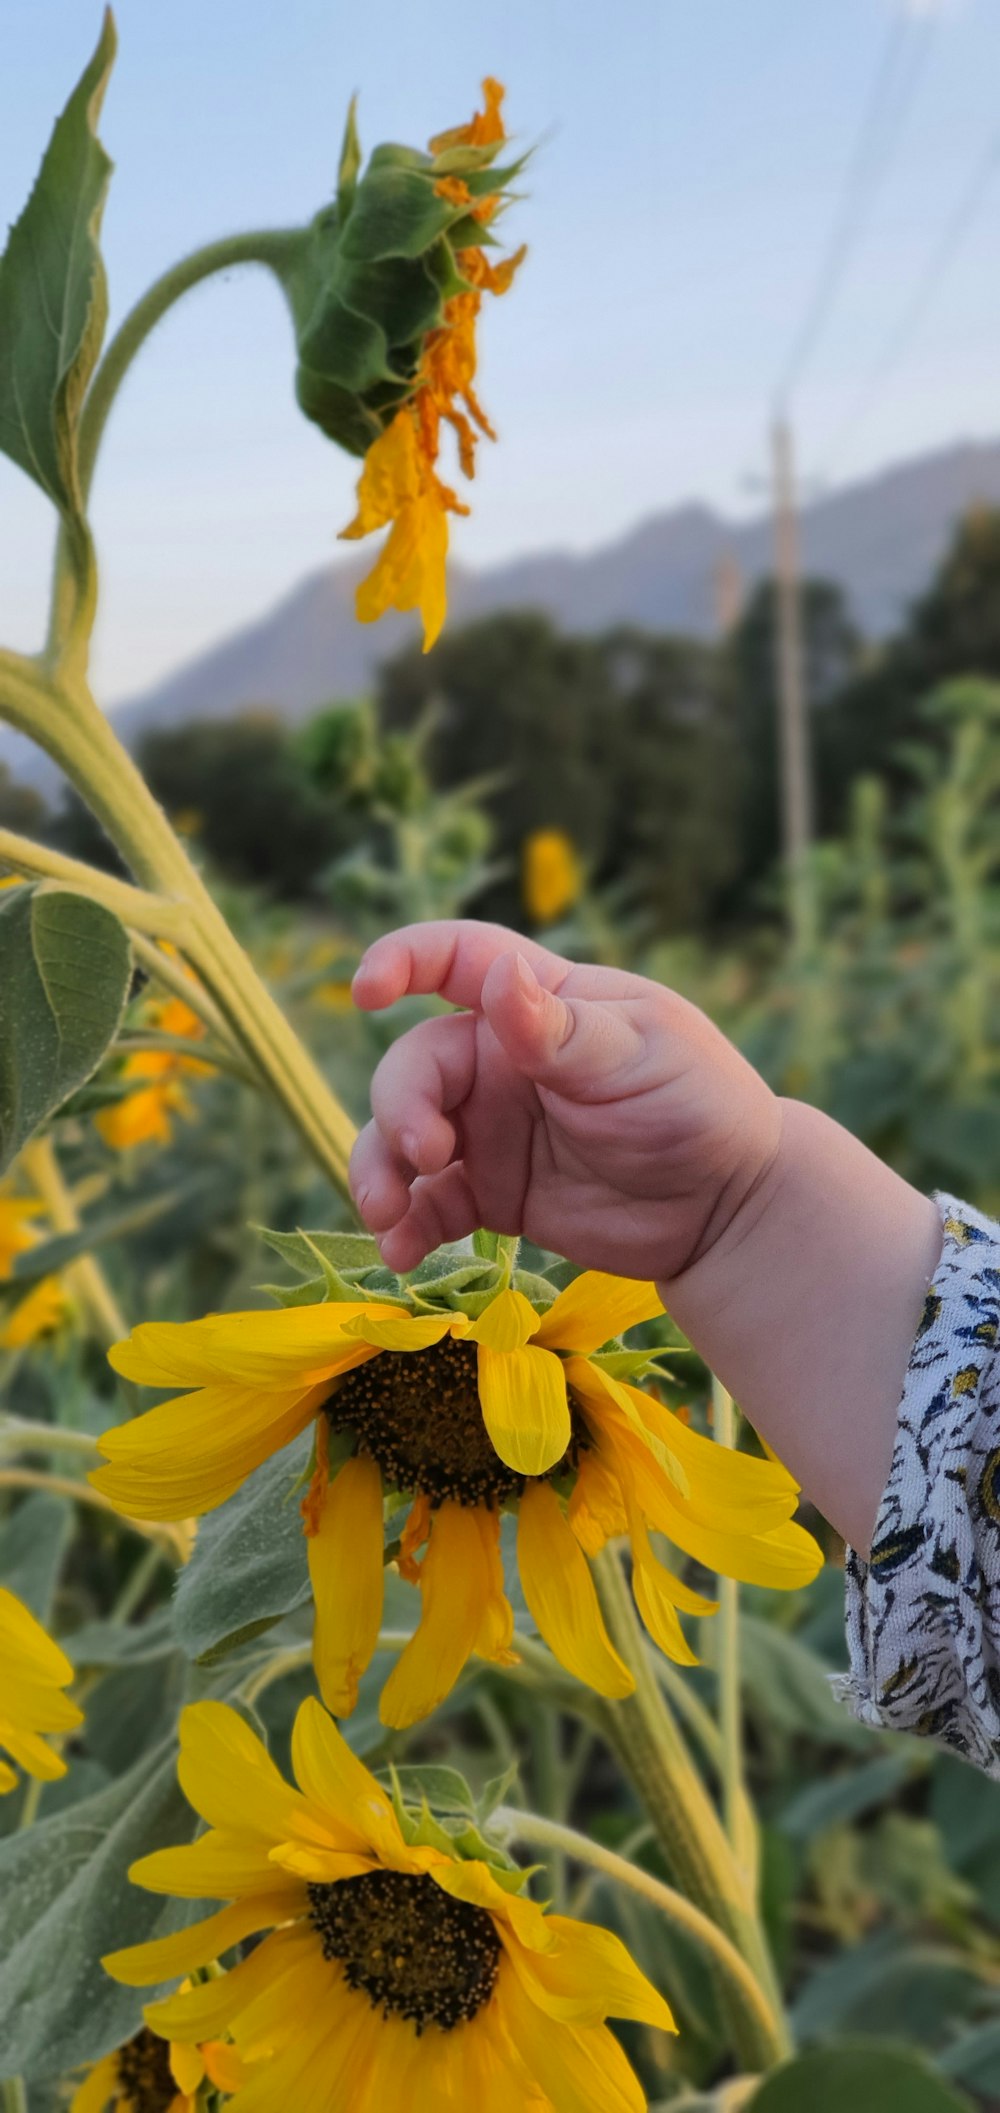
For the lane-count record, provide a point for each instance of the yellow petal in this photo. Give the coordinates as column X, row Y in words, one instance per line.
column 164, row 1958
column 227, row 1774
column 347, row 1573
column 654, row 1598
column 26, row 1646
column 475, row 1883
column 596, row 1512
column 580, row 2068
column 216, row 1867
column 456, row 1587
column 205, row 2012
column 595, row 1308
column 340, row 1789
column 507, row 1323
column 186, row 2066
column 588, row 1976
column 401, row 1331
column 188, row 1456
column 98, row 2088
column 223, row 2066
column 561, row 1594
column 525, row 1409
column 31, row 1752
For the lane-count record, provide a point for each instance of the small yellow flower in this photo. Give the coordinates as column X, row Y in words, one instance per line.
column 393, row 1973
column 551, row 875
column 33, row 1674
column 400, row 482
column 511, row 1409
column 155, row 1078
column 151, row 2075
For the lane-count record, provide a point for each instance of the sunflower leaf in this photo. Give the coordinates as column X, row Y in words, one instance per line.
column 53, row 298
column 64, row 976
column 65, row 1879
column 249, row 1564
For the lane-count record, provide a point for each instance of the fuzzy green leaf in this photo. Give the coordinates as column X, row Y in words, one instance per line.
column 53, row 298
column 64, row 976
column 65, row 1899
column 33, row 1541
column 867, row 2079
column 249, row 1563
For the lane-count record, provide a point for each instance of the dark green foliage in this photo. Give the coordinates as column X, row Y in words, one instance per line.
column 250, row 801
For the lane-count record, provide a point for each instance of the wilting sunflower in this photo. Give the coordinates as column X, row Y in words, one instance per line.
column 397, row 1971
column 151, row 2075
column 42, row 1309
column 33, row 1674
column 514, row 1408
column 154, row 1079
column 399, row 484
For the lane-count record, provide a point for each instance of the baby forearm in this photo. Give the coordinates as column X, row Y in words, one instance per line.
column 806, row 1308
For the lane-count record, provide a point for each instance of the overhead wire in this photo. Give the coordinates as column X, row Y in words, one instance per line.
column 882, row 117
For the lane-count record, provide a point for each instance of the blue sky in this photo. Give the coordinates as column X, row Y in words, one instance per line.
column 692, row 161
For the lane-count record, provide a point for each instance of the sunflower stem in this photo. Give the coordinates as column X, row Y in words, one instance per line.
column 84, row 1278
column 730, row 1690
column 648, row 1742
column 13, row 2096
column 562, row 1841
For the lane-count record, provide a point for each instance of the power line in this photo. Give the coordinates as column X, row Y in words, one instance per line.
column 929, row 283
column 881, row 123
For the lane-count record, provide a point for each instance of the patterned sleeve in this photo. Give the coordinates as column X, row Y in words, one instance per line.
column 923, row 1613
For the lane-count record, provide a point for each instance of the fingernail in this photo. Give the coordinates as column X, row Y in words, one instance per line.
column 527, row 979
column 411, row 1146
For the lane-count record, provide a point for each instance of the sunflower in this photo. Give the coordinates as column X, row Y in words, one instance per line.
column 44, row 1308
column 551, row 878
column 154, row 1082
column 399, row 483
column 396, row 1970
column 33, row 1673
column 465, row 1416
column 151, row 2075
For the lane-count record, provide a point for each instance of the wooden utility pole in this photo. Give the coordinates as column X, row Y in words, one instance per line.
column 796, row 776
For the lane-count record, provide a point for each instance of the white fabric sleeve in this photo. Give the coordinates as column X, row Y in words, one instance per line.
column 923, row 1613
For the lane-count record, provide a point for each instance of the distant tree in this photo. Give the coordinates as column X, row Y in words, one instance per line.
column 951, row 631
column 832, row 653
column 21, row 807
column 242, row 790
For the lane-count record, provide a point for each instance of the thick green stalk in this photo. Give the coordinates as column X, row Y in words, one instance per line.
column 650, row 1747
column 730, row 1691
column 68, row 724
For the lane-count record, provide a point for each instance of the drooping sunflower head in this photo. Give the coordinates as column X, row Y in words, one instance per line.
column 385, row 289
column 471, row 1401
column 404, row 1962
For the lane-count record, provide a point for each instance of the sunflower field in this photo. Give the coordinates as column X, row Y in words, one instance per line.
column 414, row 1683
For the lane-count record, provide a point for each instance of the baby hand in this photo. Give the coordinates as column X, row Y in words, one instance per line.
column 595, row 1112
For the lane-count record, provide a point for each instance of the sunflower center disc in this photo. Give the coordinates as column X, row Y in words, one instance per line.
column 418, row 1414
column 145, row 2078
column 413, row 1949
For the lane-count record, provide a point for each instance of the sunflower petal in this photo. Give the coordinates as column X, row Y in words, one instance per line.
column 98, row 2089
column 164, row 1958
column 525, row 1409
column 507, row 1323
column 401, row 1331
column 206, row 2011
column 456, row 1587
column 588, row 1976
column 186, row 2066
column 562, row 1596
column 595, row 1308
column 227, row 1774
column 339, row 1788
column 473, row 1882
column 595, row 1512
column 348, row 1581
column 581, row 2069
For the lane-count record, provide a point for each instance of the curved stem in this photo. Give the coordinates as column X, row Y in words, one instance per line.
column 22, row 1436
column 649, row 1745
column 548, row 1834
column 266, row 246
column 81, row 1493
column 730, row 1693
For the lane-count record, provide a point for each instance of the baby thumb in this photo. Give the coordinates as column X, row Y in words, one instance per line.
column 572, row 1045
